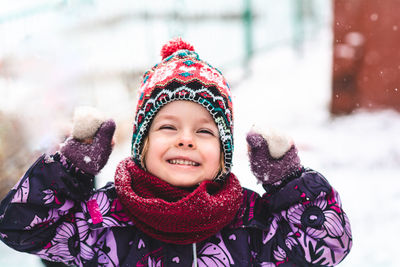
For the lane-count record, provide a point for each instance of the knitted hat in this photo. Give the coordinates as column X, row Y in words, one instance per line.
column 182, row 75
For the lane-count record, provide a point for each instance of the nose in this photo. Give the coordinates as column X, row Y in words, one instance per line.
column 182, row 144
column 186, row 140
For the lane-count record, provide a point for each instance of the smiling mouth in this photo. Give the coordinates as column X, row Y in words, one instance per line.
column 183, row 162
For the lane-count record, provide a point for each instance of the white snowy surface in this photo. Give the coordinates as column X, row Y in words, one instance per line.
column 359, row 154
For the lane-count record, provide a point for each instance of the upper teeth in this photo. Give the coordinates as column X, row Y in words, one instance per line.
column 183, row 162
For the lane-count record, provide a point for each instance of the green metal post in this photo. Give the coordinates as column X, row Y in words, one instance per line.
column 298, row 24
column 248, row 31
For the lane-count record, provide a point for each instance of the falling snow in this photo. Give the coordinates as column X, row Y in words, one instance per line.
column 374, row 17
column 359, row 154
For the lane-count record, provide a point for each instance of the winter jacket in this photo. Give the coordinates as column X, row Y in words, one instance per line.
column 55, row 213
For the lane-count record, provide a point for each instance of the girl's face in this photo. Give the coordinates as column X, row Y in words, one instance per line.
column 184, row 147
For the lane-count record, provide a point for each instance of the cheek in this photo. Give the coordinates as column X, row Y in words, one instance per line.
column 154, row 149
column 212, row 153
column 152, row 158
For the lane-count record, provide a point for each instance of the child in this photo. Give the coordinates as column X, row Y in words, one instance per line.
column 175, row 201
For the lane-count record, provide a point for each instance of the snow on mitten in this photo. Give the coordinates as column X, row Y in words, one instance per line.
column 90, row 145
column 86, row 122
column 273, row 156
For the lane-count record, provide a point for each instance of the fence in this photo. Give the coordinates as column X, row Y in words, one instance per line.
column 239, row 28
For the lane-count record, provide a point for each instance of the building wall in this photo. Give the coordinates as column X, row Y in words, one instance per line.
column 366, row 55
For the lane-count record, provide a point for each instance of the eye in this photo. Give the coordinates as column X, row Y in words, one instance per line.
column 206, row 131
column 167, row 127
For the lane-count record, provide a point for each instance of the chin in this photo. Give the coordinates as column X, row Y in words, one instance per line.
column 183, row 182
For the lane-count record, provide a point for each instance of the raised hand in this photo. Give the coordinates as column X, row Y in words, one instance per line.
column 91, row 153
column 272, row 157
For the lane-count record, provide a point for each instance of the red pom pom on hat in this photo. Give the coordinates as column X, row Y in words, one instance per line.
column 173, row 46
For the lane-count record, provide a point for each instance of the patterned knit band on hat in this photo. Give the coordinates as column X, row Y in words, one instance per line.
column 182, row 75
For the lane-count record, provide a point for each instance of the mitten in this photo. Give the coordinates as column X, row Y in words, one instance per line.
column 273, row 156
column 90, row 145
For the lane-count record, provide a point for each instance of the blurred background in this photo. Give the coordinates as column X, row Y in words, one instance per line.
column 324, row 72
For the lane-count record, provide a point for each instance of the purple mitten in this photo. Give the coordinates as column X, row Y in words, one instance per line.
column 91, row 156
column 272, row 157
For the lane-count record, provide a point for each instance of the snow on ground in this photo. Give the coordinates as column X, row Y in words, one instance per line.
column 359, row 154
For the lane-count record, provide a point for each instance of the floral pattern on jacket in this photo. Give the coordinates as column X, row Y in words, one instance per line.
column 55, row 213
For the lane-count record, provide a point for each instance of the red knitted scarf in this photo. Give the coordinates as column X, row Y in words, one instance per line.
column 175, row 215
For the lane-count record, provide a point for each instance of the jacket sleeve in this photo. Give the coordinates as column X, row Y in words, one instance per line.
column 54, row 212
column 302, row 223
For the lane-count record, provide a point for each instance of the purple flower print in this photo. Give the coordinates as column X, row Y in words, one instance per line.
column 100, row 210
column 87, row 252
column 118, row 213
column 347, row 228
column 153, row 262
column 62, row 247
column 104, row 248
column 21, row 196
column 291, row 240
column 111, row 250
column 153, row 259
column 318, row 219
column 81, row 223
column 214, row 255
column 51, row 217
column 43, row 222
column 50, row 196
column 64, row 233
column 279, row 254
column 102, row 201
column 104, row 259
column 97, row 206
column 267, row 235
column 65, row 208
